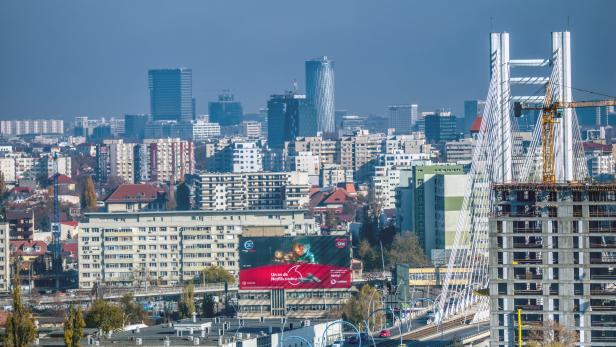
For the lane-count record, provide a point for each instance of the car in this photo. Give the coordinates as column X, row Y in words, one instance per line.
column 385, row 333
column 353, row 340
column 338, row 343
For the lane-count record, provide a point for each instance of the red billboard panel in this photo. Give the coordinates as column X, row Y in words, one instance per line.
column 305, row 262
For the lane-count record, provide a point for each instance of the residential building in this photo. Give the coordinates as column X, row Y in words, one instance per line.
column 5, row 268
column 600, row 163
column 204, row 130
column 402, row 117
column 320, row 93
column 168, row 248
column 386, row 179
column 332, row 174
column 251, row 129
column 460, row 151
column 7, row 168
column 171, row 96
column 226, row 111
column 121, row 160
column 251, row 191
column 360, row 153
column 247, row 157
column 428, row 202
column 551, row 257
column 20, row 223
column 31, row 127
column 45, row 165
column 326, row 150
column 136, row 198
column 165, row 160
column 283, row 116
column 307, row 162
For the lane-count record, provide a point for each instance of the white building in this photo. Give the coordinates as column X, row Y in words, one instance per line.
column 5, row 269
column 402, row 117
column 251, row 191
column 251, row 129
column 460, row 152
column 45, row 165
column 31, row 126
column 332, row 174
column 25, row 167
column 167, row 248
column 202, row 130
column 164, row 160
column 247, row 157
column 121, row 160
column 600, row 164
column 7, row 168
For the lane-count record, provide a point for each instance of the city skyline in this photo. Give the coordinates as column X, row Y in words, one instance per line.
column 403, row 59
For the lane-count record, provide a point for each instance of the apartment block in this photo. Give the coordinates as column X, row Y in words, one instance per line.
column 31, row 126
column 119, row 160
column 5, row 269
column 247, row 157
column 552, row 250
column 251, row 191
column 166, row 248
column 165, row 160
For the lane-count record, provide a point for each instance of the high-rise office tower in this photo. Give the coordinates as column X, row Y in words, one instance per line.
column 134, row 126
column 320, row 92
column 440, row 127
column 171, row 94
column 226, row 111
column 402, row 117
column 283, row 112
column 472, row 108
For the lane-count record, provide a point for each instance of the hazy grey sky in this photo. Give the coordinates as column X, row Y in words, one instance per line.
column 67, row 58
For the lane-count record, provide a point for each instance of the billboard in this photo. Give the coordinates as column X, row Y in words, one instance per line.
column 302, row 262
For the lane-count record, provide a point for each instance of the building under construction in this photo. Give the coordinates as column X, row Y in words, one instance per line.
column 553, row 260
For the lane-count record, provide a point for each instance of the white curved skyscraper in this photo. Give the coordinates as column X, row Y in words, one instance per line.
column 320, row 93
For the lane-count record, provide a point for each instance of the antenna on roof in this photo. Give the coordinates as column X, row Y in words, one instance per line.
column 295, row 86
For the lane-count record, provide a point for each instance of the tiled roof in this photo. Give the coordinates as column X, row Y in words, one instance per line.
column 62, row 179
column 337, row 197
column 133, row 193
column 18, row 247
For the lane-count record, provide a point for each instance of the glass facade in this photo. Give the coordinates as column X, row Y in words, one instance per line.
column 226, row 111
column 283, row 113
column 171, row 94
column 320, row 93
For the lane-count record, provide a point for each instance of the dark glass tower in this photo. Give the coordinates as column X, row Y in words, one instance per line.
column 134, row 126
column 226, row 111
column 283, row 112
column 171, row 94
column 320, row 92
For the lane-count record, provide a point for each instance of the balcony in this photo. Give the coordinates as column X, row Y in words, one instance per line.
column 527, row 245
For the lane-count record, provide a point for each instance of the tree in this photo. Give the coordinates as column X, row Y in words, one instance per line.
column 553, row 335
column 20, row 328
column 331, row 221
column 88, row 195
column 104, row 316
column 368, row 256
column 360, row 307
column 405, row 249
column 182, row 197
column 73, row 327
column 216, row 274
column 207, row 307
column 132, row 312
column 187, row 301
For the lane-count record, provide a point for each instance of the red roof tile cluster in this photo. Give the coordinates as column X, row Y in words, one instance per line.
column 324, row 198
column 28, row 248
column 133, row 193
column 593, row 146
column 71, row 223
column 62, row 179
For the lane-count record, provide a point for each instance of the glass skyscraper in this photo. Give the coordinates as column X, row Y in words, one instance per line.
column 320, row 93
column 226, row 111
column 171, row 94
column 283, row 113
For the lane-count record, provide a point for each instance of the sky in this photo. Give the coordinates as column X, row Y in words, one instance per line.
column 65, row 58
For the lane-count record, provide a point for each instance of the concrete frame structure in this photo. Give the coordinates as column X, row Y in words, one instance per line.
column 552, row 255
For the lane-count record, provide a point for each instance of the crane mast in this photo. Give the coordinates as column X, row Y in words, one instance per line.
column 549, row 117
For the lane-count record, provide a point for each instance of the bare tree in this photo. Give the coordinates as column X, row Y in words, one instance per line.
column 552, row 334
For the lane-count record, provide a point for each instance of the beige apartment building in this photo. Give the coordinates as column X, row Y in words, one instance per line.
column 165, row 248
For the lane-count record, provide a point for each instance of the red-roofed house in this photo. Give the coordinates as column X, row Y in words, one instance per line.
column 66, row 184
column 136, row 197
column 28, row 250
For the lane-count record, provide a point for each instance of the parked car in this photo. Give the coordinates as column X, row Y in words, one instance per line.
column 385, row 333
column 338, row 343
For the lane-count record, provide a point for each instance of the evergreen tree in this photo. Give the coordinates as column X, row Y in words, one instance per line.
column 207, row 308
column 182, row 197
column 73, row 327
column 88, row 195
column 20, row 328
column 187, row 302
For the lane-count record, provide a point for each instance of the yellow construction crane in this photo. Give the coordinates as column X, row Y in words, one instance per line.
column 550, row 115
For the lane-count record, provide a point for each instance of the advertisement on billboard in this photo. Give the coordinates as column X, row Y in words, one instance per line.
column 303, row 262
